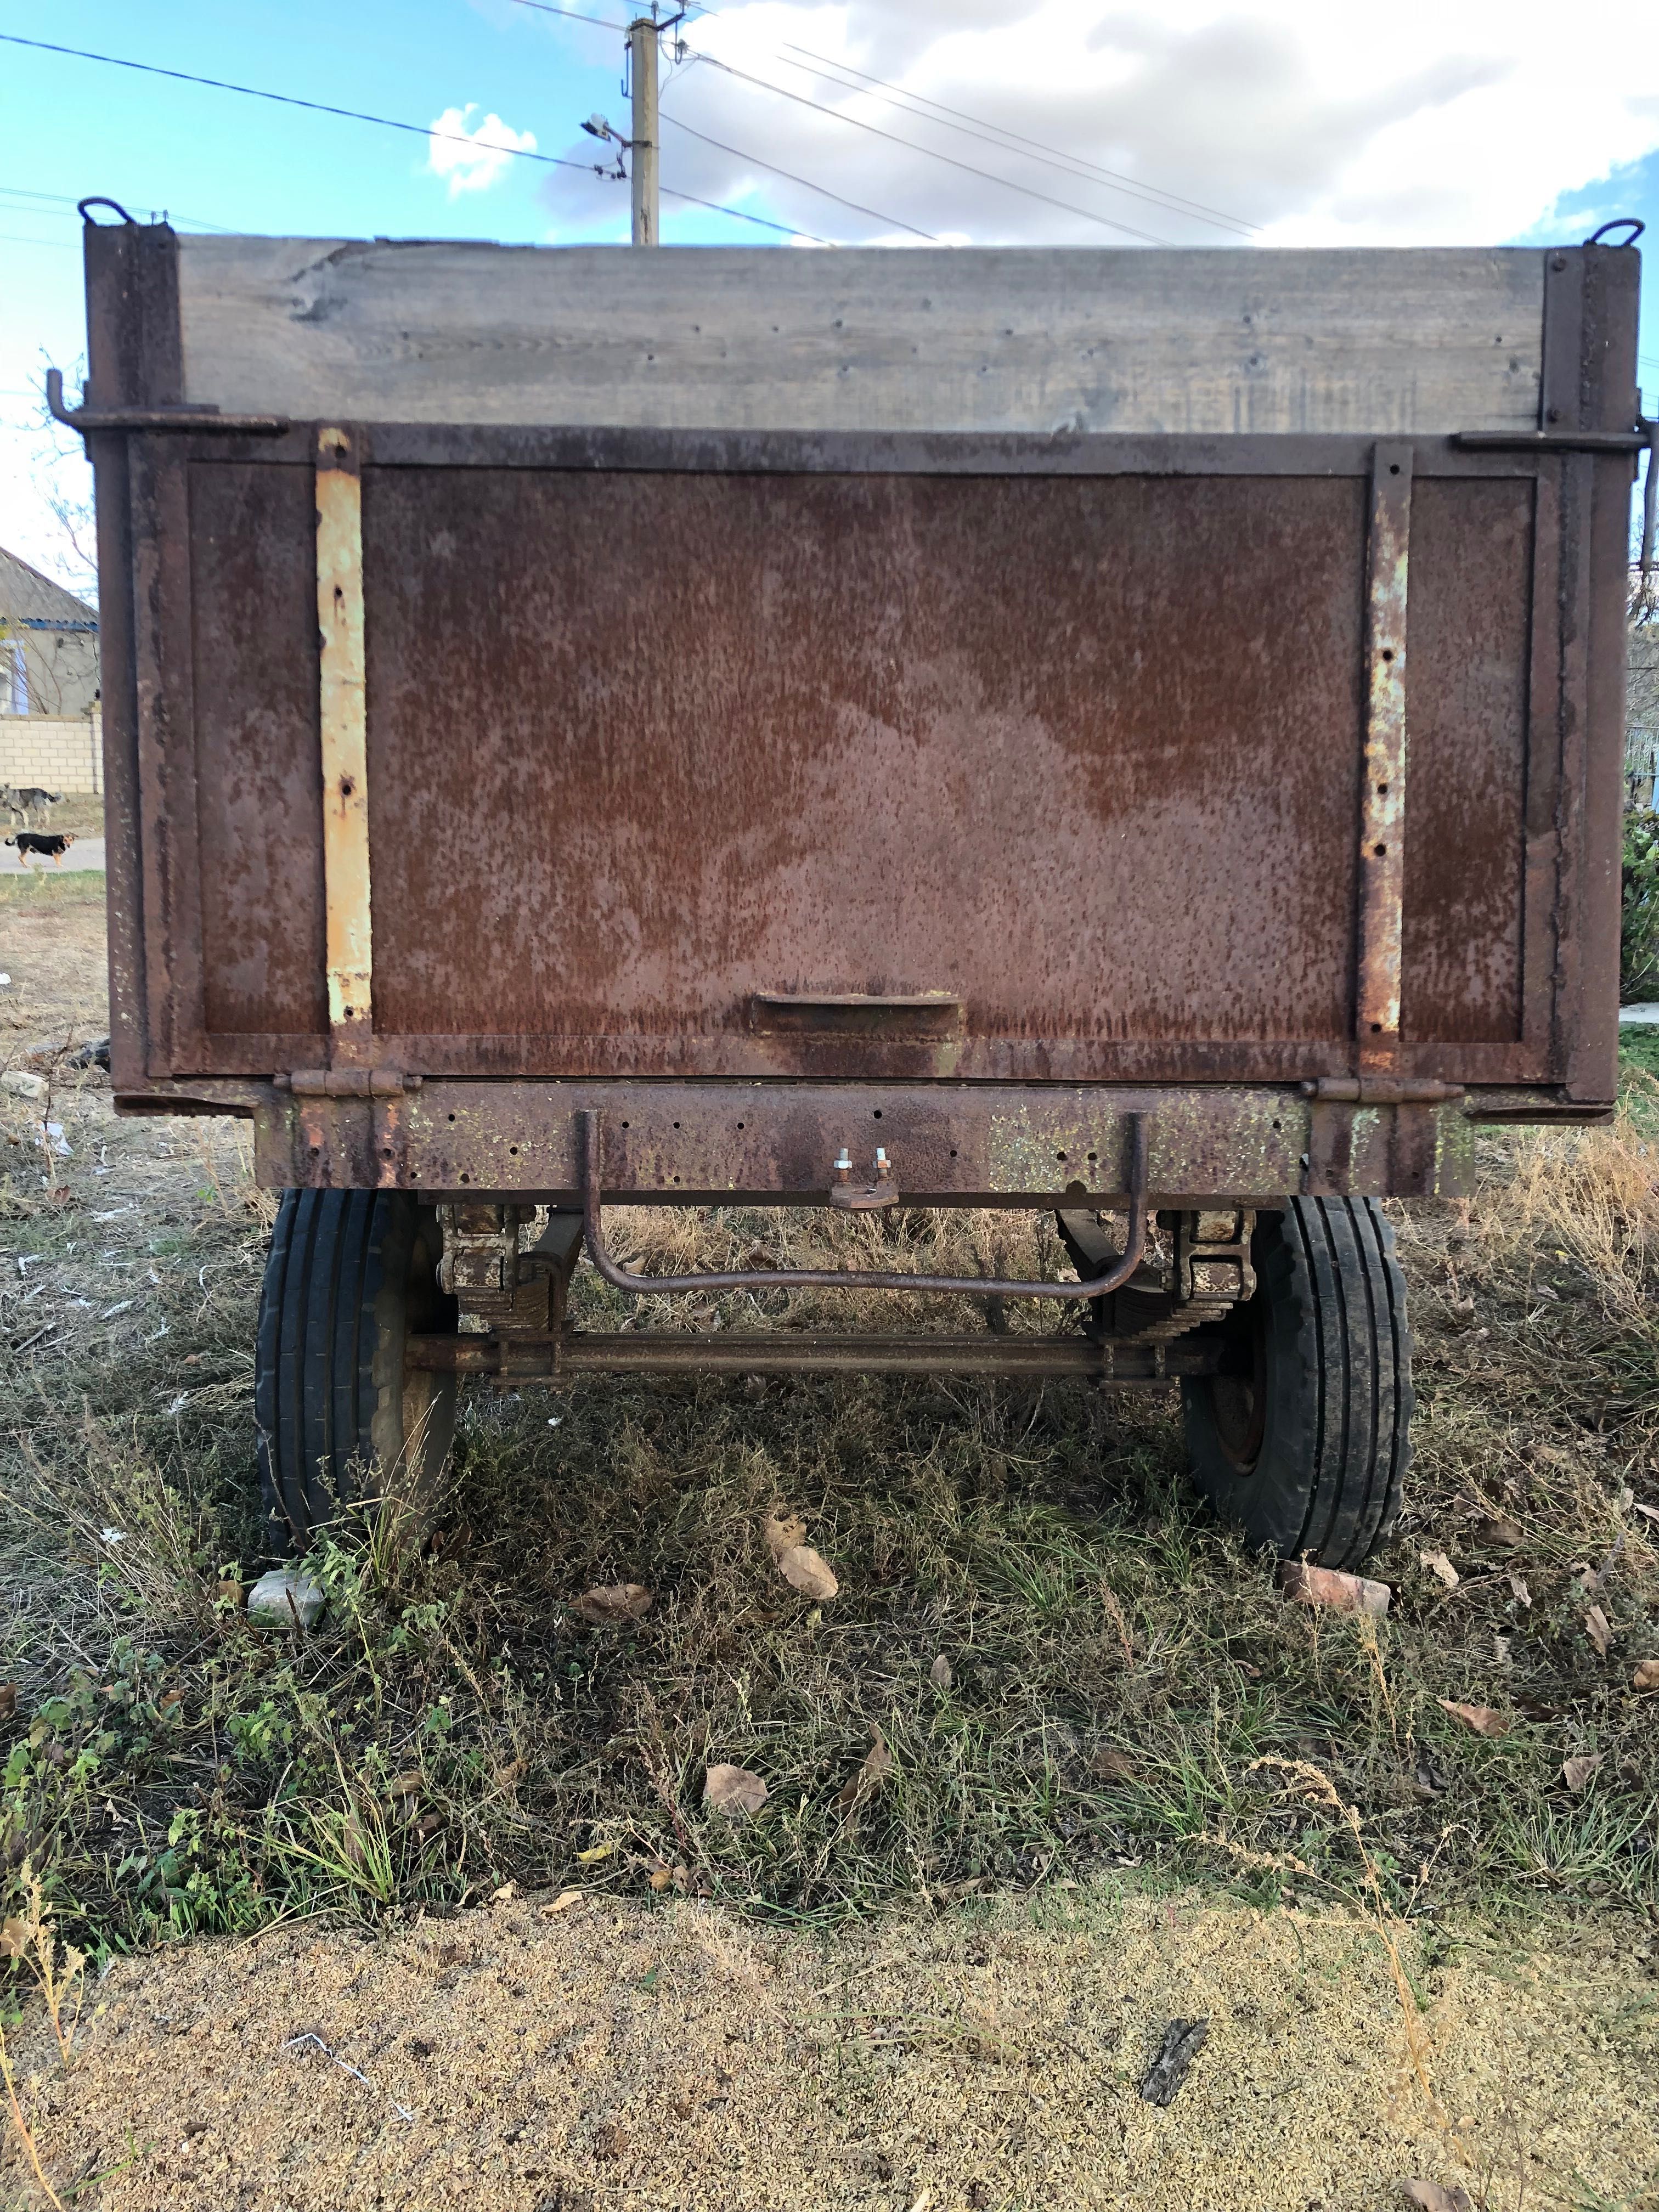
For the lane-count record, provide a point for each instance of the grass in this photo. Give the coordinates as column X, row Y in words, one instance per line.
column 1122, row 1689
column 47, row 889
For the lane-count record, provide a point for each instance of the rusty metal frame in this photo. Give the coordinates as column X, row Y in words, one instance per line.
column 857, row 1279
column 1033, row 1359
column 1381, row 872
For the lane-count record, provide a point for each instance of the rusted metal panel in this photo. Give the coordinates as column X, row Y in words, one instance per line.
column 1382, row 788
column 765, row 1143
column 1037, row 745
column 259, row 762
column 1463, row 888
column 348, row 933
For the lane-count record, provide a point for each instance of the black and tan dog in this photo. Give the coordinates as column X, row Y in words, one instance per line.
column 49, row 848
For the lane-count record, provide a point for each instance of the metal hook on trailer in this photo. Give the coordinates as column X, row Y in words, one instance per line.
column 859, row 1279
column 1629, row 222
column 97, row 199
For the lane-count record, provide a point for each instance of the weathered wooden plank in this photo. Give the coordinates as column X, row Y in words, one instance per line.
column 1382, row 343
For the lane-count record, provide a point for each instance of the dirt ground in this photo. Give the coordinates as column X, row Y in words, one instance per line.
column 679, row 2053
column 605, row 2056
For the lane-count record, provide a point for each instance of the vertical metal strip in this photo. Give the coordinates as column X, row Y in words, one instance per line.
column 349, row 949
column 1383, row 804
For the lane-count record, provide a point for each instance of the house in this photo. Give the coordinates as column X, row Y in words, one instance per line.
column 51, row 729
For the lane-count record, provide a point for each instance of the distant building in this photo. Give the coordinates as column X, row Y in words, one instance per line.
column 50, row 722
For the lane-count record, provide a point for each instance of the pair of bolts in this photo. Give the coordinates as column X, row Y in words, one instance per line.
column 844, row 1165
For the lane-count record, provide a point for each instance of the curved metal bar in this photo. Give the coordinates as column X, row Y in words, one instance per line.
column 1629, row 222
column 97, row 199
column 84, row 418
column 860, row 1278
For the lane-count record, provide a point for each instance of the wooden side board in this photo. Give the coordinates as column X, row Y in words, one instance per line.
column 1381, row 343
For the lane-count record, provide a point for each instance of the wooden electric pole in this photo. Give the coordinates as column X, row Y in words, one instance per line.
column 642, row 145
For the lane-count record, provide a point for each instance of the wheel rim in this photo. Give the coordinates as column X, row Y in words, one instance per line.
column 1240, row 1401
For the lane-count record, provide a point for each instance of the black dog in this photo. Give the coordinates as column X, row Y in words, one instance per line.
column 51, row 848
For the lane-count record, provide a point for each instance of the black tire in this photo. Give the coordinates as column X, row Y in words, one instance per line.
column 1307, row 1454
column 342, row 1424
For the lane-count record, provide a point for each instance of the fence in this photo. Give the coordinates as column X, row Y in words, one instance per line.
column 59, row 753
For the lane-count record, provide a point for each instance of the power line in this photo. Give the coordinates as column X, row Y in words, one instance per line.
column 874, row 215
column 386, row 122
column 289, row 99
column 545, row 8
column 1146, row 237
column 1054, row 157
column 783, row 229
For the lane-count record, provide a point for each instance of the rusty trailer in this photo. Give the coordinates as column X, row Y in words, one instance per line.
column 1131, row 733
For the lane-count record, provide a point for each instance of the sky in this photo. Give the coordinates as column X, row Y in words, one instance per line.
column 889, row 122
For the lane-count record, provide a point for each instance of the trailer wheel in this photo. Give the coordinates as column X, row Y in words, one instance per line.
column 1307, row 1451
column 344, row 1425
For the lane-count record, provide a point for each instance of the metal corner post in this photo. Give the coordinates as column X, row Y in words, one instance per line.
column 344, row 745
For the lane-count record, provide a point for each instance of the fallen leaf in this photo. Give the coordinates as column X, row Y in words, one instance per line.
column 593, row 1857
column 782, row 1532
column 561, row 1903
column 1576, row 1772
column 230, row 1592
column 1646, row 1676
column 939, row 1674
column 505, row 1894
column 1498, row 1528
column 1438, row 1564
column 1651, row 1512
column 14, row 1938
column 803, row 1569
column 1596, row 1627
column 1432, row 2196
column 1518, row 1585
column 732, row 1789
column 404, row 1784
column 878, row 1765
column 511, row 1775
column 8, row 1700
column 661, row 1877
column 1481, row 1718
column 1111, row 1764
column 1327, row 1586
column 612, row 1601
column 169, row 1701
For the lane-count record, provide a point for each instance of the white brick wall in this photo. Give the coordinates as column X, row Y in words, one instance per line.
column 63, row 756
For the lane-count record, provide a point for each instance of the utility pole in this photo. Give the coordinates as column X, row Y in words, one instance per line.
column 643, row 144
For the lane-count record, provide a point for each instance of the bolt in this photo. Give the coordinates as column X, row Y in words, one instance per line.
column 881, row 1165
column 844, row 1165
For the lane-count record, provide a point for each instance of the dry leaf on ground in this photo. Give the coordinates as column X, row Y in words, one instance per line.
column 1434, row 2197
column 561, row 1903
column 1438, row 1564
column 612, row 1601
column 1598, row 1629
column 404, row 1784
column 1111, row 1764
column 1576, row 1772
column 1327, row 1586
column 1481, row 1718
column 939, row 1674
column 14, row 1938
column 592, row 1856
column 782, row 1532
column 1498, row 1528
column 805, row 1571
column 1522, row 1594
column 732, row 1789
column 801, row 1567
column 8, row 1700
column 878, row 1765
column 1646, row 1676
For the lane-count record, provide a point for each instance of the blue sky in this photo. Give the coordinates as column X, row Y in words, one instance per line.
column 1251, row 112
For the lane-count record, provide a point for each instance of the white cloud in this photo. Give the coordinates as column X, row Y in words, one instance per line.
column 471, row 160
column 1431, row 122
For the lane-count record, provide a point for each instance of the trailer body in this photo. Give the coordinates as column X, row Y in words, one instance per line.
column 755, row 690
